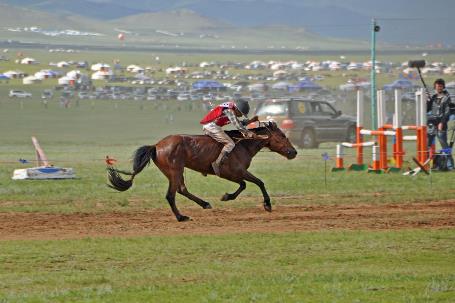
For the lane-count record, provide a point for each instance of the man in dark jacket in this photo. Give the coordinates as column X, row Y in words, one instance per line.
column 439, row 108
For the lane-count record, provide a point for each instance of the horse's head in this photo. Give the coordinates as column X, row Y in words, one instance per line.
column 278, row 142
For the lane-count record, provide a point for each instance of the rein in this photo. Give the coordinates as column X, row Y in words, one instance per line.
column 257, row 137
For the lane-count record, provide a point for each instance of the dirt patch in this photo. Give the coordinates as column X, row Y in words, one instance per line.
column 440, row 214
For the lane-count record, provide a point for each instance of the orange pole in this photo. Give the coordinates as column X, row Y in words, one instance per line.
column 419, row 144
column 422, row 144
column 383, row 150
column 398, row 148
column 339, row 157
column 339, row 163
column 359, row 141
column 410, row 127
column 376, row 158
column 387, row 126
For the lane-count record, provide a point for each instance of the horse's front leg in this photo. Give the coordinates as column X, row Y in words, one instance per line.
column 251, row 178
column 228, row 196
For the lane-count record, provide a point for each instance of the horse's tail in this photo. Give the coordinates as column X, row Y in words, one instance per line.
column 141, row 159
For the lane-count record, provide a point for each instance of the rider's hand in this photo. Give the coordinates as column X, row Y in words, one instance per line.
column 249, row 135
column 440, row 126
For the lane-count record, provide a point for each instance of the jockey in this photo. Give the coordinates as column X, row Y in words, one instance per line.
column 220, row 116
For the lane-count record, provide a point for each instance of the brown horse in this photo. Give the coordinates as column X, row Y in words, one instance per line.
column 173, row 153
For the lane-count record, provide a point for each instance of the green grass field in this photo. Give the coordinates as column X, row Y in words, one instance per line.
column 405, row 266
column 319, row 266
column 81, row 137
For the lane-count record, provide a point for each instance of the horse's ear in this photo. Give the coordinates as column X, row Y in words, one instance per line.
column 271, row 124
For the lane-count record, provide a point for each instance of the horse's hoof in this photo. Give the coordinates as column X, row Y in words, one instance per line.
column 225, row 197
column 207, row 206
column 183, row 218
column 268, row 208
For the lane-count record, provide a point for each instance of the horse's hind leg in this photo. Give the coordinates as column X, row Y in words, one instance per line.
column 170, row 197
column 184, row 191
column 228, row 196
column 251, row 178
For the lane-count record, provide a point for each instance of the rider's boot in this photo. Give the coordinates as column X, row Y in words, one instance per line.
column 218, row 162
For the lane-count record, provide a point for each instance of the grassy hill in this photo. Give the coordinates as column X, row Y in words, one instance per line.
column 11, row 16
column 176, row 28
column 177, row 20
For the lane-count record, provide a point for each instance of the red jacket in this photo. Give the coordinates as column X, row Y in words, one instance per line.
column 217, row 114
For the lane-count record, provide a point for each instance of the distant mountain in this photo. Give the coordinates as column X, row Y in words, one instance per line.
column 402, row 21
column 177, row 20
column 174, row 29
column 11, row 16
column 102, row 10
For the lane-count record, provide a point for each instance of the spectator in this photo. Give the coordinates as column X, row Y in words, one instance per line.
column 439, row 108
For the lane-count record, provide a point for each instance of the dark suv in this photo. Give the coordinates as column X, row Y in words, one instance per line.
column 308, row 122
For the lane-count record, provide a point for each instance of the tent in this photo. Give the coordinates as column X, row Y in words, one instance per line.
column 30, row 80
column 65, row 80
column 28, row 61
column 63, row 64
column 100, row 67
column 45, row 74
column 305, row 84
column 354, row 85
column 281, row 85
column 13, row 74
column 102, row 75
column 257, row 87
column 208, row 84
column 399, row 84
column 135, row 68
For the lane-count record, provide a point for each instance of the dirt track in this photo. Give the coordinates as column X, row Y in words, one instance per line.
column 440, row 214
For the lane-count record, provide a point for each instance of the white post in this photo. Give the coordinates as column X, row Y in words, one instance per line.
column 381, row 109
column 418, row 108
column 360, row 112
column 397, row 119
column 423, row 108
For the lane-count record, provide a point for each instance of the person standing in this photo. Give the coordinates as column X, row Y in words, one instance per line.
column 439, row 109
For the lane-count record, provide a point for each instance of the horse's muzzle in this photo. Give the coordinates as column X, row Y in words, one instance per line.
column 291, row 154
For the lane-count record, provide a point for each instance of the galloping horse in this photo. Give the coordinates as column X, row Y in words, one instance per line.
column 173, row 153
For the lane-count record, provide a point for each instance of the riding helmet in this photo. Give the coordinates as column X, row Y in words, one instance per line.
column 243, row 106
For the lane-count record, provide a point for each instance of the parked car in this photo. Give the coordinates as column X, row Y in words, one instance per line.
column 47, row 94
column 183, row 97
column 83, row 95
column 308, row 122
column 151, row 97
column 19, row 94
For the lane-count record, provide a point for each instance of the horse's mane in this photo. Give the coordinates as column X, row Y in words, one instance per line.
column 237, row 134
